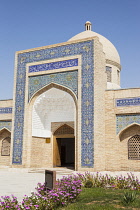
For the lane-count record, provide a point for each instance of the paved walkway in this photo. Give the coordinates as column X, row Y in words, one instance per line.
column 20, row 182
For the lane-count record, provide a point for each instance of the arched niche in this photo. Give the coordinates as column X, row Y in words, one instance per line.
column 5, row 144
column 129, row 131
column 53, row 85
column 5, row 148
column 4, row 133
column 53, row 104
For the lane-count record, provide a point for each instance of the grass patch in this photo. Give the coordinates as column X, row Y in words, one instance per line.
column 103, row 199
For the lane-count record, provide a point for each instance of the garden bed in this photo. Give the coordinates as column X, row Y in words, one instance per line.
column 98, row 192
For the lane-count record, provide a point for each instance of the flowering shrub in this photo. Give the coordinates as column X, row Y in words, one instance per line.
column 106, row 181
column 7, row 202
column 36, row 202
column 66, row 191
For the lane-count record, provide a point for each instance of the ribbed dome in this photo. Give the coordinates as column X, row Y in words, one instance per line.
column 108, row 48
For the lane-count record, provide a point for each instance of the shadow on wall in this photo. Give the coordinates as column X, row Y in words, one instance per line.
column 129, row 132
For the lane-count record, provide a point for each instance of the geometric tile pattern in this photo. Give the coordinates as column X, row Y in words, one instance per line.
column 128, row 102
column 68, row 79
column 53, row 65
column 5, row 124
column 5, row 110
column 85, row 49
column 123, row 121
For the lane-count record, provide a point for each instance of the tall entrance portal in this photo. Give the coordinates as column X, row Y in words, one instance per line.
column 53, row 129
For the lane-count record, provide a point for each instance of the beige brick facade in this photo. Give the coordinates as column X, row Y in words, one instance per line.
column 100, row 133
column 5, row 130
column 117, row 144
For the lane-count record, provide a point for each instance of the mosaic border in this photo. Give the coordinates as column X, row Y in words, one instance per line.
column 128, row 102
column 85, row 49
column 53, row 65
column 6, row 110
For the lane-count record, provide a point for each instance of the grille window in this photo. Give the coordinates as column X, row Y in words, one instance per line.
column 109, row 73
column 134, row 148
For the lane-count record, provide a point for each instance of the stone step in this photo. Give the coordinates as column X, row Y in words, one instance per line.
column 60, row 171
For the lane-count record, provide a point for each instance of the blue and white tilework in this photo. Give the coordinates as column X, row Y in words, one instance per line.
column 67, row 79
column 53, row 65
column 5, row 110
column 122, row 121
column 5, row 124
column 85, row 49
column 128, row 102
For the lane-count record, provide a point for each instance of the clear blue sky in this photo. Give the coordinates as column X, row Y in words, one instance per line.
column 26, row 24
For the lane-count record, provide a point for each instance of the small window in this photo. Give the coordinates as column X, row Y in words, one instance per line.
column 118, row 76
column 5, row 149
column 109, row 73
column 134, row 148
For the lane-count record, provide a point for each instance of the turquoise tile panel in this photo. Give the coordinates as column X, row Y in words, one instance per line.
column 85, row 49
column 6, row 124
column 122, row 121
column 66, row 79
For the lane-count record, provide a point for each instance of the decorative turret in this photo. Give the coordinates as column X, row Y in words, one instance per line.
column 88, row 26
column 112, row 57
column 110, row 51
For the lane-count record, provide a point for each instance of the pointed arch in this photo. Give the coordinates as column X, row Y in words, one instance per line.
column 4, row 129
column 42, row 127
column 60, row 87
column 64, row 129
column 129, row 131
column 5, row 137
column 64, row 146
column 55, row 103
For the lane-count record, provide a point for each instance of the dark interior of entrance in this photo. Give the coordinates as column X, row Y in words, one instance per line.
column 66, row 151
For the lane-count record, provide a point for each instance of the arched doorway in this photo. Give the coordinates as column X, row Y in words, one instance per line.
column 5, row 142
column 52, row 109
column 64, row 147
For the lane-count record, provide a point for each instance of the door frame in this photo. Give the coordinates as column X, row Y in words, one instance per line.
column 56, row 156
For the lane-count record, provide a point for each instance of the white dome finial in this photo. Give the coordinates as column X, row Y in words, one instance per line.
column 88, row 26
